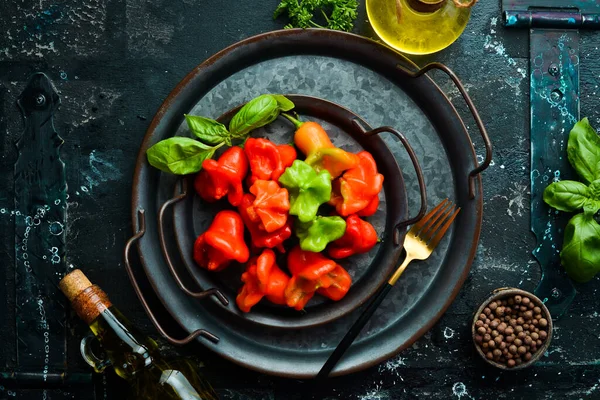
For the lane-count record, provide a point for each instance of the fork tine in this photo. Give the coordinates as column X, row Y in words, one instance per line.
column 427, row 231
column 417, row 227
column 432, row 228
column 438, row 237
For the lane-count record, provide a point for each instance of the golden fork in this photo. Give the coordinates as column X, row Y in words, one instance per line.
column 420, row 241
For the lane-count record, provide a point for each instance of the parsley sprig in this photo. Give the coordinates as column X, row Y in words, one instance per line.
column 337, row 14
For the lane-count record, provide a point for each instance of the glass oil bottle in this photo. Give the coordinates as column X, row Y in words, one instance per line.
column 418, row 26
column 134, row 356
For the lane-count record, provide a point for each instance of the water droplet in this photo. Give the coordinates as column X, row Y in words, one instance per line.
column 556, row 293
column 56, row 228
column 85, row 189
column 2, row 210
column 57, row 202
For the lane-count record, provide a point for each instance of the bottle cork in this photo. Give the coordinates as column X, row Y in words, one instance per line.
column 74, row 283
column 88, row 300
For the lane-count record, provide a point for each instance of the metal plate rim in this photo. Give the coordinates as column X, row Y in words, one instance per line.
column 477, row 204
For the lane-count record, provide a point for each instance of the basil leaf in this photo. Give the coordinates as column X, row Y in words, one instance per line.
column 592, row 205
column 580, row 256
column 567, row 196
column 208, row 130
column 179, row 155
column 583, row 151
column 283, row 102
column 256, row 113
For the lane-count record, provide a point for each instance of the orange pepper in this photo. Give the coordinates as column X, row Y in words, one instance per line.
column 313, row 141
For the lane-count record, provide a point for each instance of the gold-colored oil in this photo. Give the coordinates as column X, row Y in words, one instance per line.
column 417, row 32
column 135, row 357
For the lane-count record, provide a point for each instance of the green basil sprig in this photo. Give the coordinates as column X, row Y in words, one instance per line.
column 182, row 156
column 580, row 254
column 258, row 112
column 208, row 130
column 179, row 155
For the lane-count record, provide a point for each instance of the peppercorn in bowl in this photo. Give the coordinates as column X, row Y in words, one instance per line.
column 512, row 329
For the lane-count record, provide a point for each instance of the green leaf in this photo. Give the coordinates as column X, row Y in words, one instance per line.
column 569, row 196
column 307, row 189
column 592, row 205
column 179, row 155
column 580, row 255
column 583, row 151
column 208, row 130
column 256, row 113
column 283, row 102
column 316, row 234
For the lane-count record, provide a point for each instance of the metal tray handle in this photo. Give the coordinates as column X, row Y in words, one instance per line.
column 418, row 170
column 182, row 185
column 140, row 230
column 486, row 139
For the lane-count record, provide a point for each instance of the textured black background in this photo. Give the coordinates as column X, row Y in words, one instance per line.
column 114, row 61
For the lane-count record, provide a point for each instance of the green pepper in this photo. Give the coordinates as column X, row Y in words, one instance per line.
column 316, row 234
column 307, row 189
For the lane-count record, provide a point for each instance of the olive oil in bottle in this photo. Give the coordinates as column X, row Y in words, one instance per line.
column 134, row 356
column 417, row 26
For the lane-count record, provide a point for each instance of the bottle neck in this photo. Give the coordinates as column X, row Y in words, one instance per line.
column 426, row 6
column 90, row 303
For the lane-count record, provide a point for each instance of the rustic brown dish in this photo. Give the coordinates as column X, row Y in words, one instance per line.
column 500, row 294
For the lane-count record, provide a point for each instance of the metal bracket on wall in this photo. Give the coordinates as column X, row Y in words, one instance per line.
column 40, row 224
column 554, row 105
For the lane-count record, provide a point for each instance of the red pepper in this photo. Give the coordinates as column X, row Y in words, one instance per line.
column 250, row 294
column 312, row 272
column 268, row 160
column 339, row 286
column 298, row 292
column 223, row 177
column 260, row 237
column 271, row 205
column 360, row 237
column 308, row 265
column 262, row 278
column 355, row 192
column 222, row 243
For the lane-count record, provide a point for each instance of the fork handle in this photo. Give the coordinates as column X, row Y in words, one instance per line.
column 354, row 331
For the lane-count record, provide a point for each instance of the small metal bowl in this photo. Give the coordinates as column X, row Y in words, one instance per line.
column 500, row 294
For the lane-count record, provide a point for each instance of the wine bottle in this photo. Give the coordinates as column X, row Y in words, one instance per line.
column 134, row 356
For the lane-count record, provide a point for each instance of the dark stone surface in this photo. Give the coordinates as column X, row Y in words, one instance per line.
column 114, row 61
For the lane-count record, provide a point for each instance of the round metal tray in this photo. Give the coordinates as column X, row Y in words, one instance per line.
column 376, row 83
